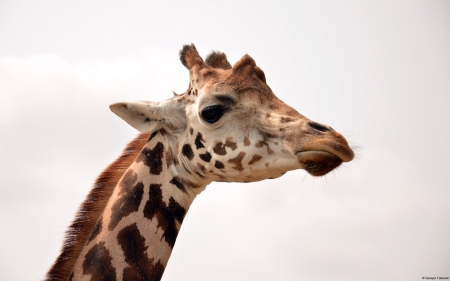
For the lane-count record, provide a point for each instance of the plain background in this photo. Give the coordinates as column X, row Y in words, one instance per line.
column 376, row 71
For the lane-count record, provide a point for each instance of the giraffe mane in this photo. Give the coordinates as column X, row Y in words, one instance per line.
column 91, row 210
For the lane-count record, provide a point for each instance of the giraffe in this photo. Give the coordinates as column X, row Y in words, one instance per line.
column 228, row 126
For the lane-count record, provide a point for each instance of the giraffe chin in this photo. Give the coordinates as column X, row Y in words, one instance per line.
column 318, row 163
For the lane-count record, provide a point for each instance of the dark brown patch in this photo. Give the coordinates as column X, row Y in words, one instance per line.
column 201, row 167
column 71, row 277
column 178, row 183
column 267, row 115
column 153, row 158
column 246, row 141
column 187, row 151
column 129, row 198
column 206, row 156
column 230, row 144
column 237, row 161
column 140, row 267
column 262, row 143
column 91, row 209
column 191, row 131
column 97, row 263
column 219, row 165
column 165, row 215
column 97, row 230
column 219, row 148
column 198, row 141
column 152, row 135
column 255, row 159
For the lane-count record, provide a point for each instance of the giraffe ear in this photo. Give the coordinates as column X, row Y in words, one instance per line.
column 190, row 57
column 147, row 116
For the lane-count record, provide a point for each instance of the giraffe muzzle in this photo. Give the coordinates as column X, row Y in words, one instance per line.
column 318, row 163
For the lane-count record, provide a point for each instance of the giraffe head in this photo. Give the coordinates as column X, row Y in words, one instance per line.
column 229, row 126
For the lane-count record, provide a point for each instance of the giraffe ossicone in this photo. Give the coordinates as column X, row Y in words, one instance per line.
column 227, row 126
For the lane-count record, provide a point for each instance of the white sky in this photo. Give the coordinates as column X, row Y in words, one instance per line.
column 377, row 71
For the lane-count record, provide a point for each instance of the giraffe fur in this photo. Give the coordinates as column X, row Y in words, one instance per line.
column 227, row 126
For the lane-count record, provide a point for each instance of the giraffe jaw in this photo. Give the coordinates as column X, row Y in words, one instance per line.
column 318, row 162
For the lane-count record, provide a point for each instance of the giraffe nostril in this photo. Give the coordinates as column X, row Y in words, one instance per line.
column 319, row 127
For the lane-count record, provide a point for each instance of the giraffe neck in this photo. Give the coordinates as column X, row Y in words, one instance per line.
column 135, row 235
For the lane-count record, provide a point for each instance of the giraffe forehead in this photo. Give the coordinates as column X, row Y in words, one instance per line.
column 245, row 85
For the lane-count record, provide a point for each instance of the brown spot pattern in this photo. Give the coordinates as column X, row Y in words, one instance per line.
column 89, row 212
column 166, row 215
column 206, row 156
column 152, row 158
column 187, row 151
column 237, row 161
column 97, row 263
column 140, row 267
column 219, row 148
column 230, row 144
column 198, row 141
column 262, row 143
column 178, row 183
column 246, row 141
column 201, row 167
column 219, row 165
column 130, row 196
column 255, row 159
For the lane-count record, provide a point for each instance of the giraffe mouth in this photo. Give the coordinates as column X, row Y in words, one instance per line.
column 317, row 162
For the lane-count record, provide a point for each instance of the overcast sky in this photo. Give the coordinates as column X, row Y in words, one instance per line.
column 376, row 71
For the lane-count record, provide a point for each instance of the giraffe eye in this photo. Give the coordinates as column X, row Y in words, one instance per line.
column 212, row 114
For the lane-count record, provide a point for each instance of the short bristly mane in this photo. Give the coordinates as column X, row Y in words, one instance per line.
column 91, row 210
